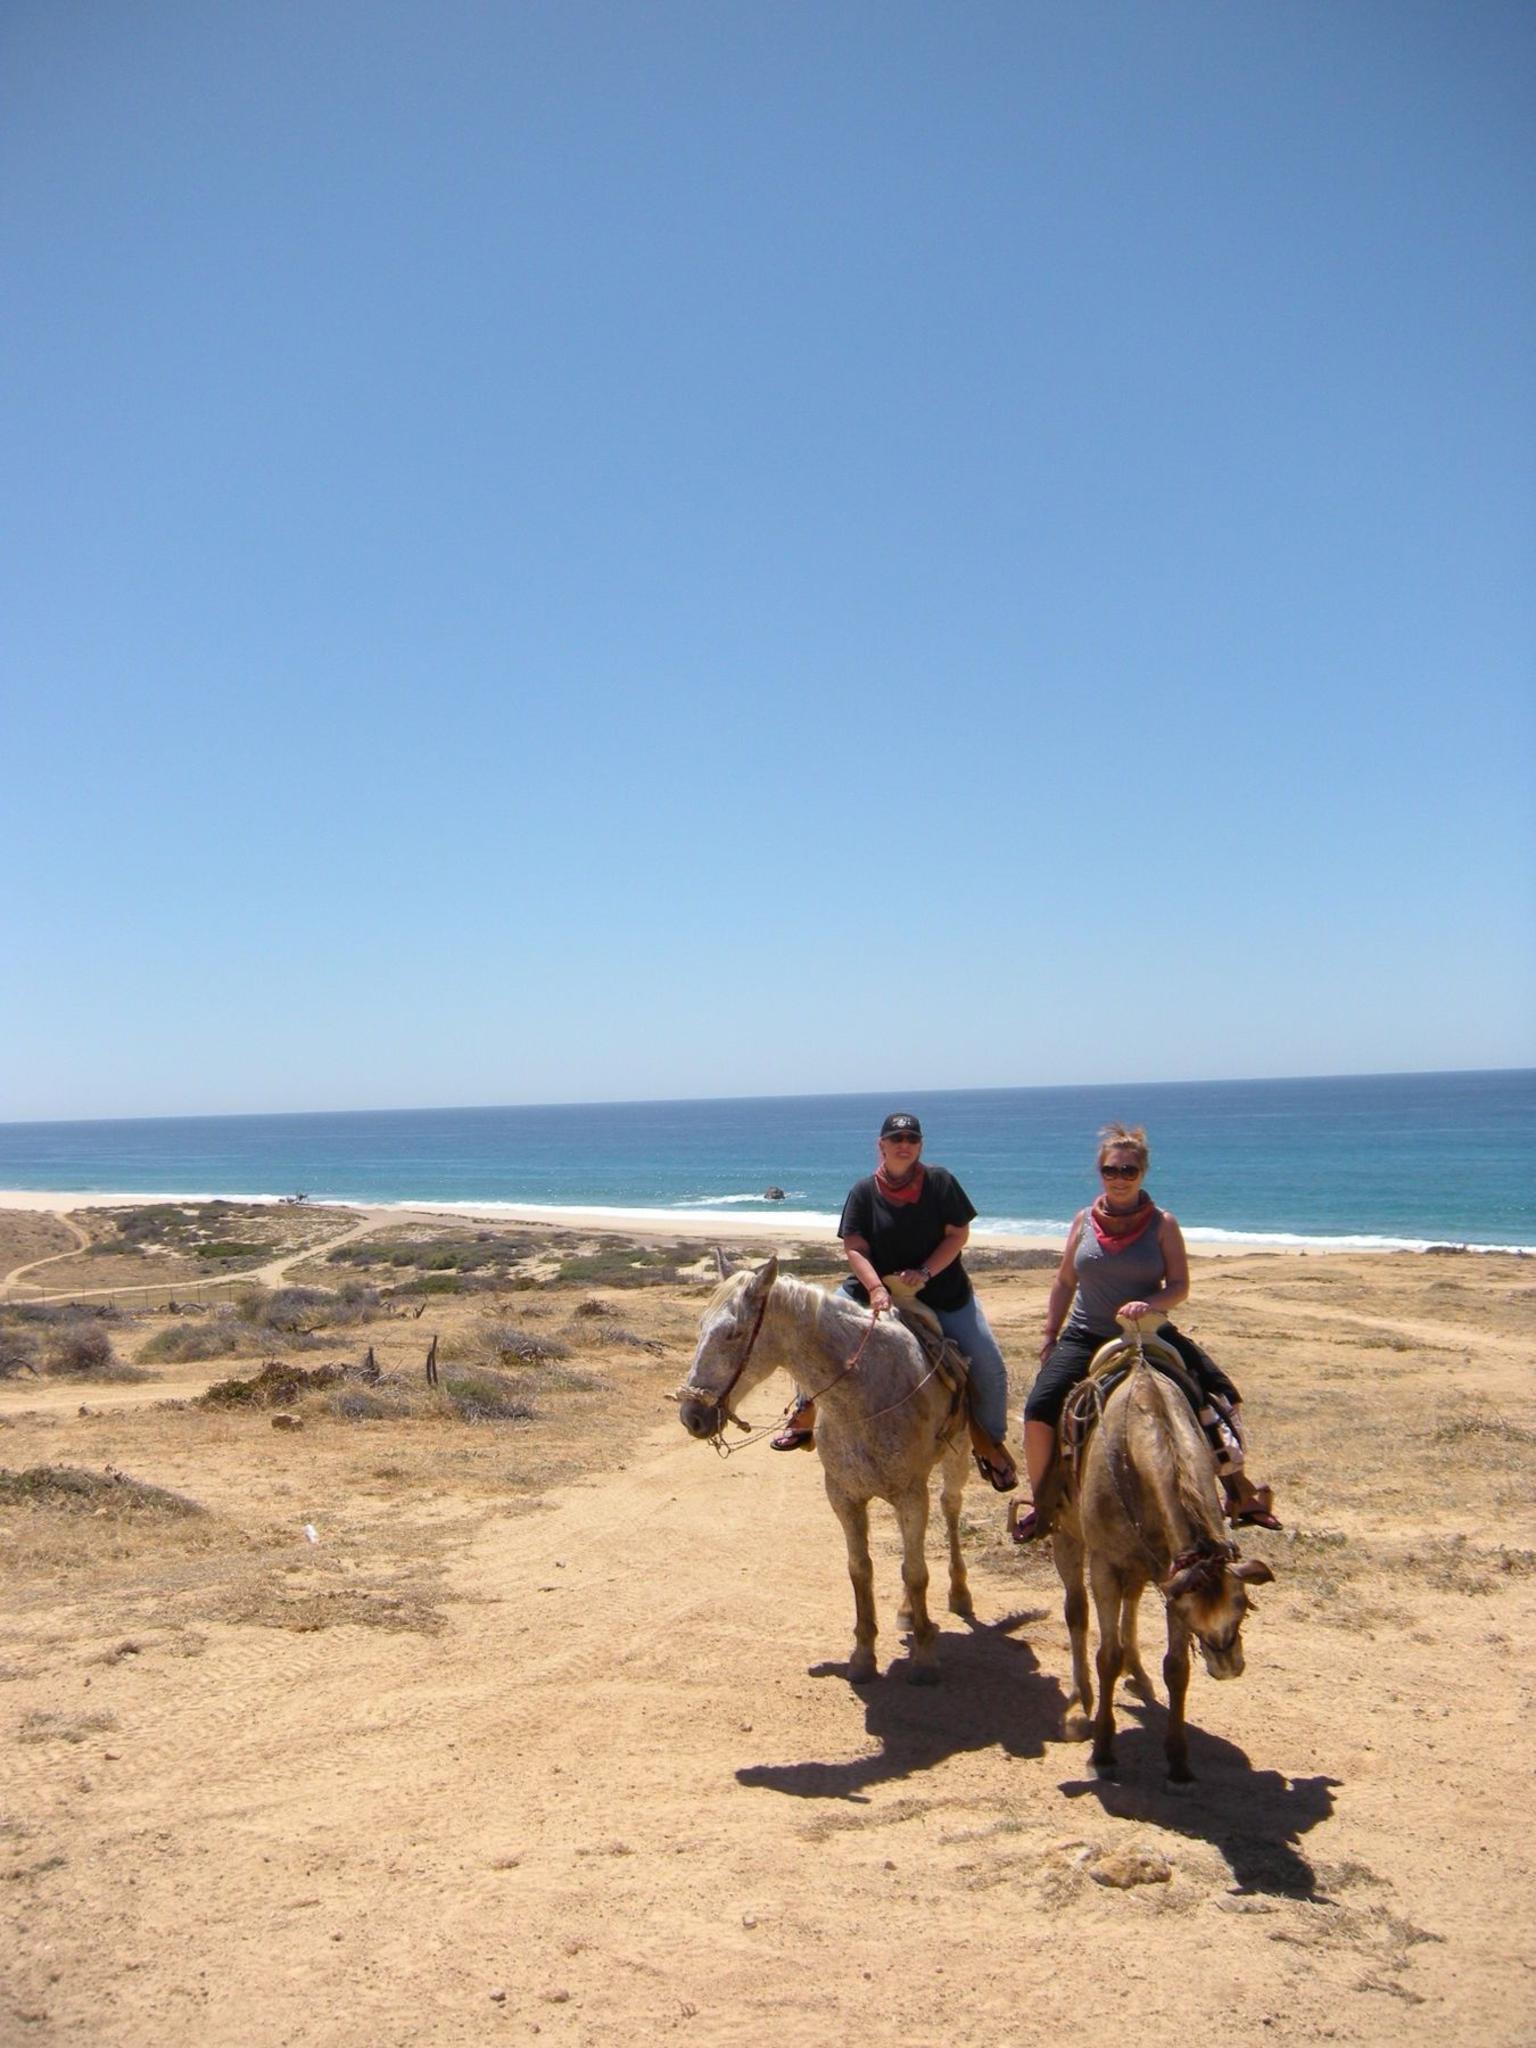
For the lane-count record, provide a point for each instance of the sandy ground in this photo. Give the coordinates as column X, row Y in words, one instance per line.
column 549, row 1732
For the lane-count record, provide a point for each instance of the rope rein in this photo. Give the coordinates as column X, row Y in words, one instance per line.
column 722, row 1449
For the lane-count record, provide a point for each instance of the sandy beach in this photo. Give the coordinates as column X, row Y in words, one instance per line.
column 413, row 1720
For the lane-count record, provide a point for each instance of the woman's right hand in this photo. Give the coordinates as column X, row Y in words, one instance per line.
column 880, row 1300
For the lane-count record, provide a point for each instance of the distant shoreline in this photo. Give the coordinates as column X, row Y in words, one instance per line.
column 703, row 1226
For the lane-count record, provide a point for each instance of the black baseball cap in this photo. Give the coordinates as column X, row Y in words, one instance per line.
column 901, row 1124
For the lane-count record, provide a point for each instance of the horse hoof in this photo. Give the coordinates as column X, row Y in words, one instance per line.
column 1105, row 1772
column 1179, row 1786
column 964, row 1606
column 1076, row 1728
column 904, row 1621
column 862, row 1670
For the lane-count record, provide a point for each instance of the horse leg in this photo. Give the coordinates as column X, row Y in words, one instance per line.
column 1176, row 1678
column 952, row 1477
column 854, row 1516
column 1131, row 1664
column 1067, row 1551
column 912, row 1514
column 1108, row 1599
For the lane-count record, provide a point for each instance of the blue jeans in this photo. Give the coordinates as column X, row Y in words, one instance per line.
column 969, row 1328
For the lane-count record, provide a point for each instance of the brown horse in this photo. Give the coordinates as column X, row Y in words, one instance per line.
column 1146, row 1509
column 884, row 1420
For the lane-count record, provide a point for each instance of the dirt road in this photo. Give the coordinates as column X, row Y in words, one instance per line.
column 625, row 1789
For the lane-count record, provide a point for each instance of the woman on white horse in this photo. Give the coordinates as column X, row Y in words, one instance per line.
column 912, row 1221
column 1125, row 1257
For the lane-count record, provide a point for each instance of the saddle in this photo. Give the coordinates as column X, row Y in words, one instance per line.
column 946, row 1360
column 1111, row 1366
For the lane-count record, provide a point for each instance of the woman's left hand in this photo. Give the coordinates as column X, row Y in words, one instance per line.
column 910, row 1276
column 1133, row 1311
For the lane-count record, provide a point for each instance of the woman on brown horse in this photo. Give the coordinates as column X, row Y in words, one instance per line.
column 1125, row 1257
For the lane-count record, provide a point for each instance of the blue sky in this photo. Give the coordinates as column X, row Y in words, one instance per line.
column 573, row 551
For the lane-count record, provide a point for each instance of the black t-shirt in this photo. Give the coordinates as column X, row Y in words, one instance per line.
column 901, row 1235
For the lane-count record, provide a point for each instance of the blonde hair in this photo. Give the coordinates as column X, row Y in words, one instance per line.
column 1116, row 1138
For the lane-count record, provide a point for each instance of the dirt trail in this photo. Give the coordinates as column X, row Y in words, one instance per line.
column 621, row 1788
column 630, row 1788
column 82, row 1241
column 272, row 1274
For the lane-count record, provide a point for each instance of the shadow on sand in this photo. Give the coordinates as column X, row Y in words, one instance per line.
column 991, row 1694
column 1252, row 1818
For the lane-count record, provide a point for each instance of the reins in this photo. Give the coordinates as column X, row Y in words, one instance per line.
column 722, row 1449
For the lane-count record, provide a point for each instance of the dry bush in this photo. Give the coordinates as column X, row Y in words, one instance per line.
column 19, row 1351
column 298, row 1314
column 82, row 1350
column 277, row 1385
column 527, row 1347
column 70, row 1489
column 41, row 1727
column 484, row 1397
column 60, row 1518
column 220, row 1336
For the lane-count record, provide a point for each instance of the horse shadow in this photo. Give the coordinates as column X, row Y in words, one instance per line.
column 992, row 1694
column 1253, row 1819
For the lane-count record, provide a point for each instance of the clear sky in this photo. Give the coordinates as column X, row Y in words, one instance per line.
column 571, row 551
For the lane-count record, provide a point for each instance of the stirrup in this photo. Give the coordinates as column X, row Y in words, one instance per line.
column 1028, row 1526
column 793, row 1440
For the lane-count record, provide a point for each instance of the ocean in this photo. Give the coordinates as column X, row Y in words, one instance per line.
column 1365, row 1160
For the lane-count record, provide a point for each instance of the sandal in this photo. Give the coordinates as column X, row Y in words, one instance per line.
column 1001, row 1478
column 793, row 1440
column 1027, row 1527
column 1257, row 1513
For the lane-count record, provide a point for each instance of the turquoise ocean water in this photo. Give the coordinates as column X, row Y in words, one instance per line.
column 1387, row 1159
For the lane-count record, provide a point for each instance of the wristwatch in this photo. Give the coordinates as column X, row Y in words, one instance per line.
column 927, row 1276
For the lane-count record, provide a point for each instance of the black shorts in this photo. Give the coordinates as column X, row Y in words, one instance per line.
column 1072, row 1356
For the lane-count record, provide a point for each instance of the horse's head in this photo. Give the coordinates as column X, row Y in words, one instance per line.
column 1208, row 1592
column 725, row 1365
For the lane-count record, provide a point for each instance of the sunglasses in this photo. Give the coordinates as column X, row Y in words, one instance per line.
column 903, row 1138
column 1121, row 1172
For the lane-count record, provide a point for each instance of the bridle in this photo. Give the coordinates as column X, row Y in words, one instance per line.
column 721, row 1402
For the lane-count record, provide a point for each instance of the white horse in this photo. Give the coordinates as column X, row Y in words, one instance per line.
column 884, row 1419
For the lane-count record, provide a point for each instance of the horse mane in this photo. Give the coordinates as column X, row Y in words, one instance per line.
column 793, row 1287
column 1151, row 1394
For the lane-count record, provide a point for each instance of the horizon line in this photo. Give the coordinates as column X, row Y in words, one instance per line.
column 800, row 1095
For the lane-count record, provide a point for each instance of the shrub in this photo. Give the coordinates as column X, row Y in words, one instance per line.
column 526, row 1346
column 83, row 1351
column 67, row 1486
column 18, row 1350
column 485, row 1397
column 220, row 1334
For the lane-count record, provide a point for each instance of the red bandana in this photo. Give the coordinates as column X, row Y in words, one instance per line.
column 909, row 1190
column 1115, row 1231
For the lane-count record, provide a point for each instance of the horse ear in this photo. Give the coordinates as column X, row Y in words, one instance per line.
column 723, row 1267
column 1254, row 1571
column 1180, row 1581
column 764, row 1277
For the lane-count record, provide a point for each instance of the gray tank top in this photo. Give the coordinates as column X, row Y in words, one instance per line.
column 1105, row 1279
